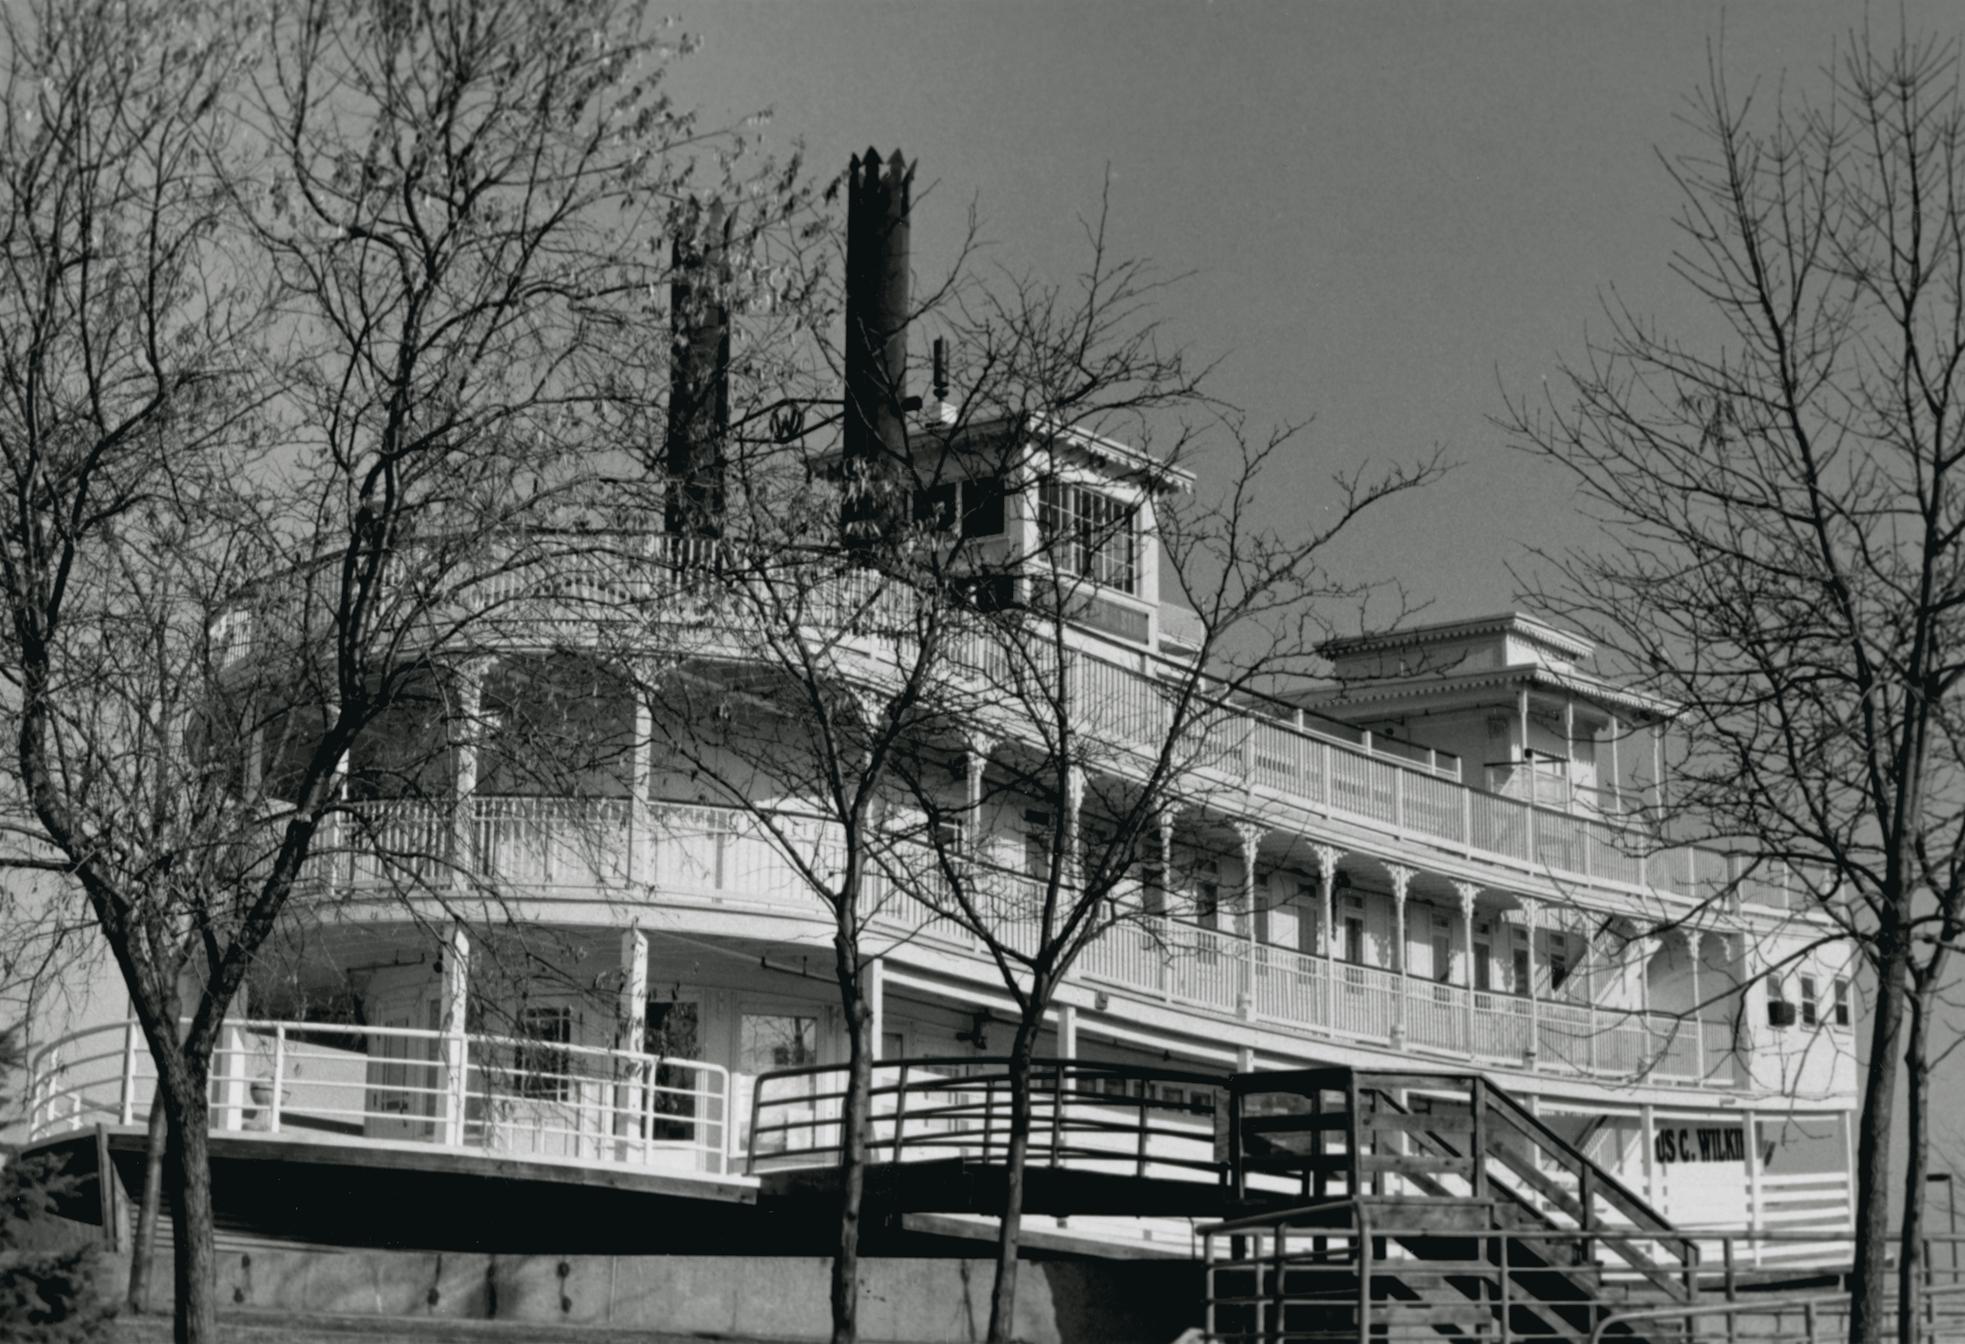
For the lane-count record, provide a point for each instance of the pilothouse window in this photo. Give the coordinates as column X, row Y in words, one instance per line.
column 977, row 506
column 1090, row 534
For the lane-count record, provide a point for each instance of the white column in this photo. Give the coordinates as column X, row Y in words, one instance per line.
column 1467, row 891
column 1163, row 862
column 1748, row 972
column 975, row 762
column 1754, row 1217
column 235, row 1067
column 1074, row 806
column 1693, row 937
column 631, row 1038
column 1849, row 1164
column 1577, row 933
column 1164, row 839
column 1658, row 765
column 1616, row 774
column 465, row 736
column 456, row 1045
column 1067, row 1031
column 876, row 992
column 1327, row 858
column 1648, row 1136
column 1569, row 749
column 1250, row 835
column 1401, row 881
column 641, row 837
column 1531, row 911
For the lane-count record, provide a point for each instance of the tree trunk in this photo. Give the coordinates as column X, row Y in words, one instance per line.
column 1003, row 1292
column 195, row 1286
column 1869, row 1289
column 143, row 1247
column 1912, row 1252
column 852, row 1151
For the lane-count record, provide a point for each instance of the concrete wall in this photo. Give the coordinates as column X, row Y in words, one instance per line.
column 916, row 1301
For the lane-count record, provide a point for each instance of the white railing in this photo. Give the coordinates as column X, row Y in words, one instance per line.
column 693, row 590
column 511, row 1095
column 730, row 855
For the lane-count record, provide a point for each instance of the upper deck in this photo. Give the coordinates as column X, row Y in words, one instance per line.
column 1539, row 822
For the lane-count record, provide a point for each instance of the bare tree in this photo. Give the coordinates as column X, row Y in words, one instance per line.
column 314, row 334
column 806, row 676
column 1114, row 752
column 1781, row 499
column 856, row 620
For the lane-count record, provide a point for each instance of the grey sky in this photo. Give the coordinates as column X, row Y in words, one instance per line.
column 1390, row 210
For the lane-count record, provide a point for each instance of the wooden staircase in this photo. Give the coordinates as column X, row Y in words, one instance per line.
column 1427, row 1206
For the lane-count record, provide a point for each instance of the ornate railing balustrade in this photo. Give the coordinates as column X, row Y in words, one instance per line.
column 511, row 1095
column 696, row 595
column 614, row 850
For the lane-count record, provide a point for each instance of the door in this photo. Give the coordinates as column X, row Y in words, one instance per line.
column 772, row 1040
column 397, row 1075
column 676, row 1106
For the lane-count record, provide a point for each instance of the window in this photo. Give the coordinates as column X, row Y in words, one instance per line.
column 1442, row 950
column 1521, row 969
column 1841, row 1009
column 1037, row 845
column 1089, row 534
column 1558, row 960
column 982, row 507
column 674, row 1031
column 1780, row 1013
column 1810, row 1013
column 767, row 1041
column 1483, row 959
column 1306, row 918
column 1207, row 895
column 1354, row 932
column 541, row 1061
column 951, row 835
column 976, row 505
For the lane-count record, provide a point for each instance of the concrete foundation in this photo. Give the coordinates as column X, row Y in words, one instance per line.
column 940, row 1301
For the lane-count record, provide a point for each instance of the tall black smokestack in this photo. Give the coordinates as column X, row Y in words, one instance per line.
column 875, row 430
column 699, row 372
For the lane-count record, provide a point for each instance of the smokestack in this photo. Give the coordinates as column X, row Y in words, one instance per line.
column 699, row 371
column 875, row 430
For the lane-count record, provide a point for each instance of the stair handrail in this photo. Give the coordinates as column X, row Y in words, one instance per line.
column 1621, row 1196
column 1807, row 1303
column 1525, row 1120
column 1282, row 1217
column 1665, row 1233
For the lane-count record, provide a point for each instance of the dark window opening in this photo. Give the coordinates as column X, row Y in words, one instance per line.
column 674, row 1031
column 975, row 507
column 1558, row 965
column 541, row 1060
